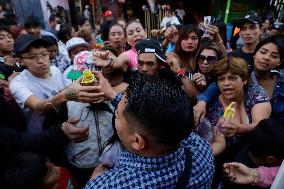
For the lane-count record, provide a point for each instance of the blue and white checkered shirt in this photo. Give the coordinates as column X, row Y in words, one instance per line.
column 116, row 99
column 135, row 171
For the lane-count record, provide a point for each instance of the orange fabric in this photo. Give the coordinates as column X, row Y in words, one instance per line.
column 236, row 31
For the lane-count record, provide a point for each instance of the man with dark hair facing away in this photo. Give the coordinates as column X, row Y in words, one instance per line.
column 154, row 121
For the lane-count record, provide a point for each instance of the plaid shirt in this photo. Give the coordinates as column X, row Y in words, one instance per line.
column 116, row 99
column 135, row 171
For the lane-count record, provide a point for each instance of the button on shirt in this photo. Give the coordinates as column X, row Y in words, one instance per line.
column 135, row 171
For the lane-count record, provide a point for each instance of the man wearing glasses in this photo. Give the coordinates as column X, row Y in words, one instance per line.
column 40, row 87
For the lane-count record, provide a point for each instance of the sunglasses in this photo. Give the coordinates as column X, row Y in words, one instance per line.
column 209, row 59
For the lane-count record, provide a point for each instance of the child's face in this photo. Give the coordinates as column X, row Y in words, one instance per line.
column 53, row 51
column 6, row 42
column 34, row 30
column 74, row 51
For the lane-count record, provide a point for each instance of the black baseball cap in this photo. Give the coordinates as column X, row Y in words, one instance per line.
column 23, row 42
column 278, row 25
column 151, row 46
column 250, row 18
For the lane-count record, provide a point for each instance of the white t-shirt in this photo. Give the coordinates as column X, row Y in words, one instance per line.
column 180, row 13
column 65, row 73
column 173, row 20
column 25, row 85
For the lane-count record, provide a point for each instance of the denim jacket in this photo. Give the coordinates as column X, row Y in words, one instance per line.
column 209, row 94
column 277, row 101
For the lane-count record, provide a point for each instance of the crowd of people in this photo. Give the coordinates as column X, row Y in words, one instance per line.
column 154, row 118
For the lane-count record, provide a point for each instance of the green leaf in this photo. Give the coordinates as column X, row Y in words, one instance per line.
column 74, row 74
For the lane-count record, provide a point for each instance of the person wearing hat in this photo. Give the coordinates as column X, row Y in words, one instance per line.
column 153, row 61
column 74, row 46
column 96, row 116
column 151, row 57
column 250, row 30
column 277, row 29
column 40, row 89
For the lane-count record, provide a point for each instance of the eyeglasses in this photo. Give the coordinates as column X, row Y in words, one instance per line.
column 209, row 59
column 35, row 57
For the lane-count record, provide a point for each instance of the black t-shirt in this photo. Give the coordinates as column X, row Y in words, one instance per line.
column 248, row 57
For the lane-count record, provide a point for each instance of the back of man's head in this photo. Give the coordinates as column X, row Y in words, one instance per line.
column 267, row 139
column 160, row 107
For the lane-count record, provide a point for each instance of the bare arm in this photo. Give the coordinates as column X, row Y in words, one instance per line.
column 219, row 144
column 104, row 59
column 120, row 62
column 121, row 88
column 74, row 92
column 259, row 112
column 188, row 85
column 190, row 88
column 169, row 35
column 214, row 32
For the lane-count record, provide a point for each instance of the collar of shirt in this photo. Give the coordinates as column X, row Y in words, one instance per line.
column 151, row 163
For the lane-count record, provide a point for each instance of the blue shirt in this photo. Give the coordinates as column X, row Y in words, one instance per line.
column 135, row 171
column 277, row 100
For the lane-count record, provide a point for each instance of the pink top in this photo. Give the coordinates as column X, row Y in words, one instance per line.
column 267, row 175
column 132, row 59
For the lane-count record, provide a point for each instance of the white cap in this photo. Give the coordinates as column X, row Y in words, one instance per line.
column 74, row 42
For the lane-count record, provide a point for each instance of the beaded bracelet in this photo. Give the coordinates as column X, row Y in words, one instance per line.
column 255, row 175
